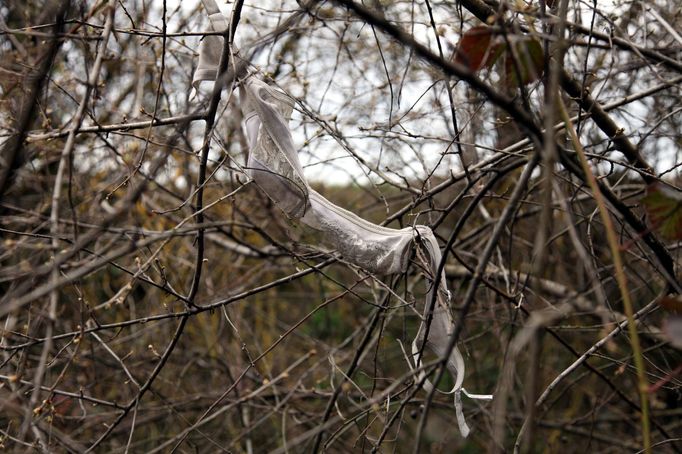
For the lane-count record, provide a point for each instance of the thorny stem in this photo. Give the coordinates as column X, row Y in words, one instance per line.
column 54, row 214
column 614, row 246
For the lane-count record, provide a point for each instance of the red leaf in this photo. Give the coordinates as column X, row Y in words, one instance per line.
column 664, row 208
column 477, row 48
column 672, row 304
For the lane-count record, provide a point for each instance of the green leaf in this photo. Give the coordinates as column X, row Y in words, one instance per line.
column 664, row 209
column 477, row 48
column 530, row 60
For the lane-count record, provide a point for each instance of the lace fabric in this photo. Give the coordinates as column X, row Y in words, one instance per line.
column 274, row 166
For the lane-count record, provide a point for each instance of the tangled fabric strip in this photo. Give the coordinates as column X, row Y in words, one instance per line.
column 274, row 166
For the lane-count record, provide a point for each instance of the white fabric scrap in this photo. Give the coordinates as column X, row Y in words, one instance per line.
column 211, row 46
column 274, row 166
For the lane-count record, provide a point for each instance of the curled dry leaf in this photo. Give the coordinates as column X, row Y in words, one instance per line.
column 479, row 48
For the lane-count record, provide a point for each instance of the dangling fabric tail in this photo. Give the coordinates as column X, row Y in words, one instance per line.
column 211, row 46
